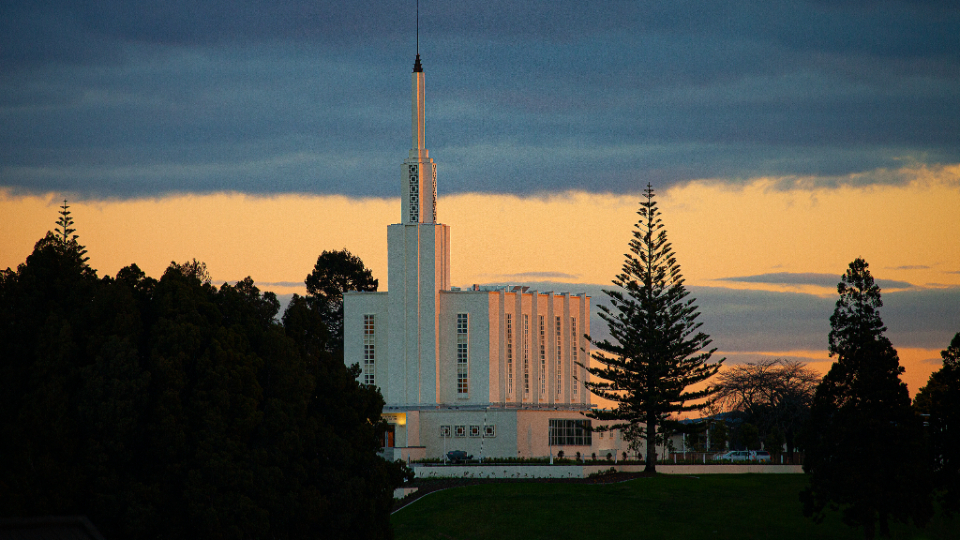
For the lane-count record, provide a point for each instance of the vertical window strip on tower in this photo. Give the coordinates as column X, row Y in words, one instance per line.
column 463, row 353
column 509, row 353
column 526, row 355
column 434, row 192
column 559, row 334
column 574, row 342
column 414, row 193
column 369, row 350
column 543, row 359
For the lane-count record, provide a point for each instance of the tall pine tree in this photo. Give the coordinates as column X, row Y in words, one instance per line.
column 64, row 233
column 658, row 351
column 864, row 447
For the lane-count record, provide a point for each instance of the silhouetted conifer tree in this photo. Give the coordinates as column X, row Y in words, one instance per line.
column 65, row 232
column 864, row 444
column 658, row 350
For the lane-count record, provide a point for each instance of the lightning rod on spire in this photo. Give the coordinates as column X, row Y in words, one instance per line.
column 417, row 68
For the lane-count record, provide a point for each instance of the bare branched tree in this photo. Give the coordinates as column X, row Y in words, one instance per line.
column 775, row 394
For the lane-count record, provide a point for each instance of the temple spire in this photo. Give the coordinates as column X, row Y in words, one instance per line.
column 419, row 190
column 418, row 146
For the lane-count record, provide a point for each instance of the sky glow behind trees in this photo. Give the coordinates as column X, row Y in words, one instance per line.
column 784, row 140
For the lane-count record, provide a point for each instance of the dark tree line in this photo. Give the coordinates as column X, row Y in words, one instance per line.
column 939, row 403
column 171, row 408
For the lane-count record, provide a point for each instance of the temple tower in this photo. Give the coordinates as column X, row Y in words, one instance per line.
column 419, row 268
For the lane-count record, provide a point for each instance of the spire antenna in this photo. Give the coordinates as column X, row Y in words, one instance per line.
column 417, row 68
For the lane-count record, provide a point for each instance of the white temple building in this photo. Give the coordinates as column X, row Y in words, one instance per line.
column 493, row 371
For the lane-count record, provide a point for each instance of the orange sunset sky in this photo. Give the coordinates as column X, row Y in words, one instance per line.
column 908, row 233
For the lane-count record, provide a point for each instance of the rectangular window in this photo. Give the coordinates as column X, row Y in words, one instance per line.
column 559, row 334
column 526, row 355
column 570, row 433
column 463, row 353
column 369, row 350
column 574, row 346
column 509, row 353
column 543, row 359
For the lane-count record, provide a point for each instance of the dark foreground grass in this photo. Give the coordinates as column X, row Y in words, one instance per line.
column 747, row 506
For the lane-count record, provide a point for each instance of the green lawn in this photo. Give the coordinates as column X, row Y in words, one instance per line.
column 665, row 507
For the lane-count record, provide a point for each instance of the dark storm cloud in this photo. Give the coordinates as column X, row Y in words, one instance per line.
column 125, row 99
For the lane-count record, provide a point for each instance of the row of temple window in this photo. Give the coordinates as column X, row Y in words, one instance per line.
column 525, row 354
column 562, row 432
column 463, row 353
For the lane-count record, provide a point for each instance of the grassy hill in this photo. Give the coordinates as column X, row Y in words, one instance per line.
column 749, row 506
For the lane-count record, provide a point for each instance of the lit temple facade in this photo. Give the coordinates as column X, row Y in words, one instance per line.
column 493, row 371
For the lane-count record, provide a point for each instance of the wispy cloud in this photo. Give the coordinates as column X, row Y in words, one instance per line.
column 535, row 276
column 263, row 284
column 787, row 278
column 808, row 278
column 281, row 283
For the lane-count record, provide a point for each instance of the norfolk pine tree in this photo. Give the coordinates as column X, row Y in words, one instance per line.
column 864, row 443
column 657, row 350
column 65, row 233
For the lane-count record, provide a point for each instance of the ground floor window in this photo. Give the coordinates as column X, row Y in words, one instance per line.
column 570, row 433
column 389, row 436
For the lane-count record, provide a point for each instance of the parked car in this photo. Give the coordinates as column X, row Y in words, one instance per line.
column 761, row 456
column 734, row 455
column 458, row 456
